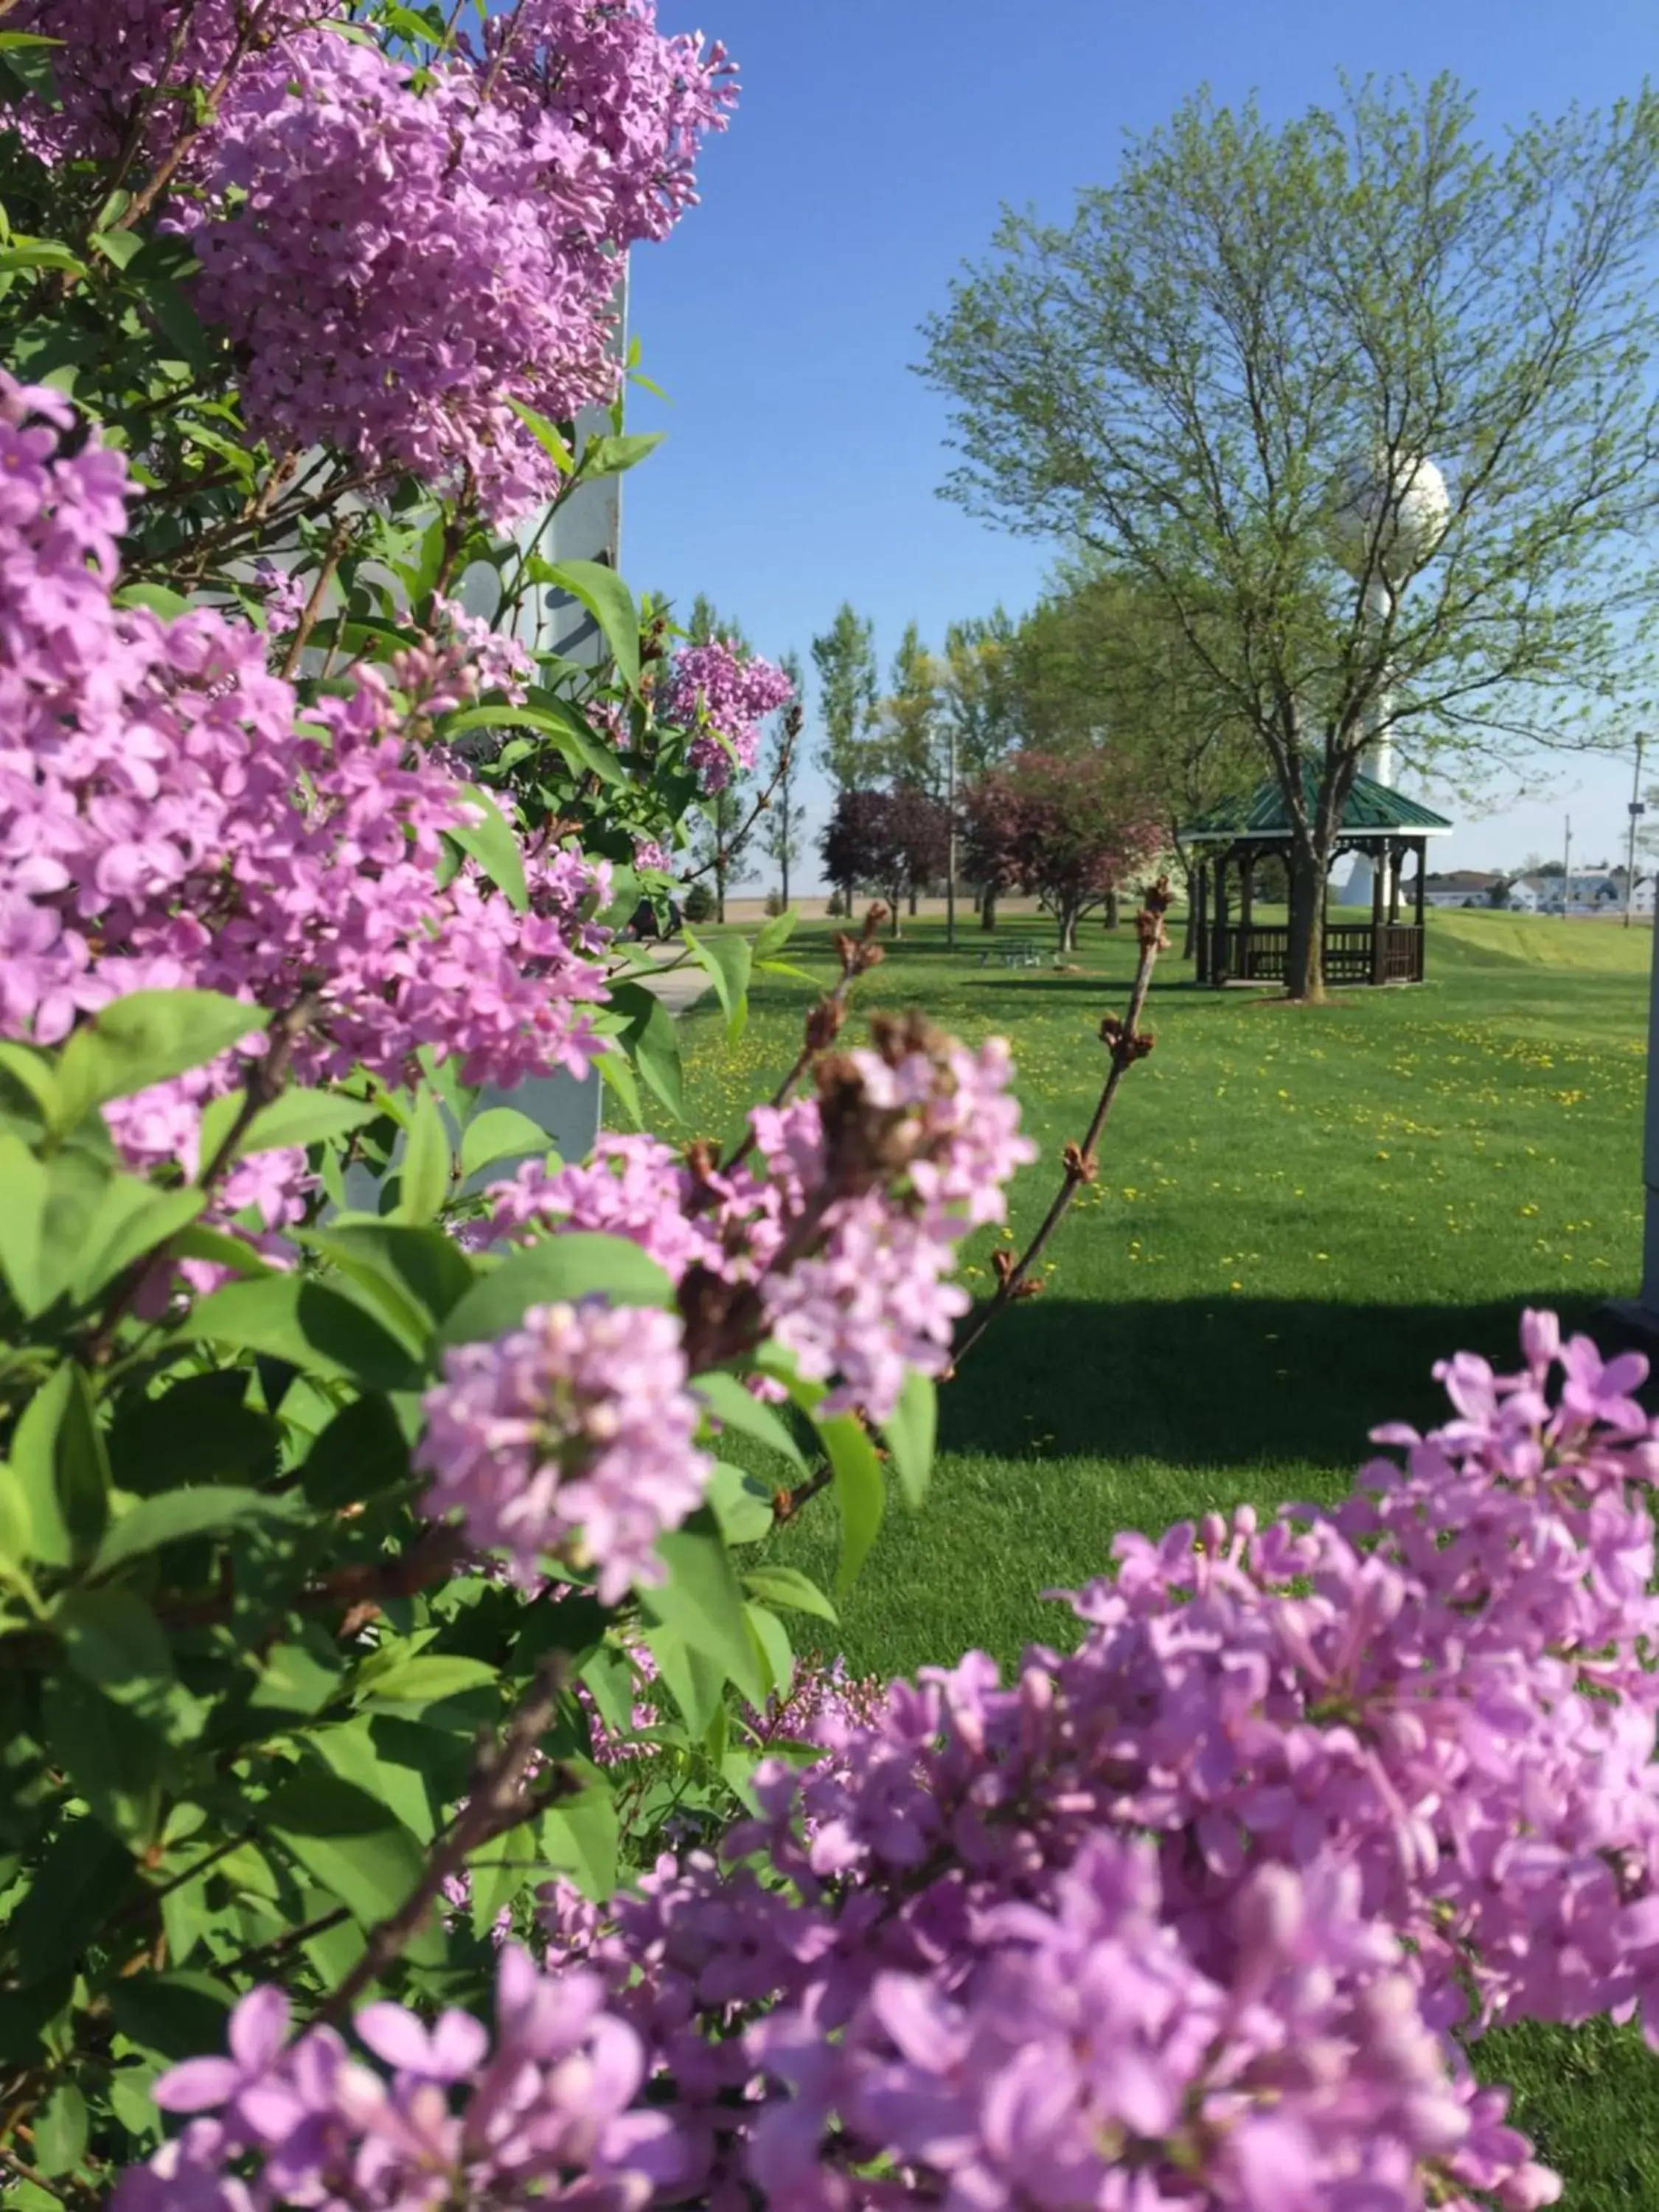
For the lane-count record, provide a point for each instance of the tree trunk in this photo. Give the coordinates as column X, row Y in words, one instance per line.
column 720, row 893
column 1113, row 911
column 1305, row 965
column 912, row 902
column 987, row 906
column 1189, row 941
column 894, row 900
column 1067, row 919
column 783, row 867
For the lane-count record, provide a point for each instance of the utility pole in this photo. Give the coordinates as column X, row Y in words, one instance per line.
column 951, row 835
column 1566, row 871
column 1637, row 810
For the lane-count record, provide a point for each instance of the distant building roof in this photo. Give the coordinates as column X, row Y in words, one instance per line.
column 1373, row 813
column 1462, row 880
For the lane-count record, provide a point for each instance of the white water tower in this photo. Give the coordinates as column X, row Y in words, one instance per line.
column 1388, row 512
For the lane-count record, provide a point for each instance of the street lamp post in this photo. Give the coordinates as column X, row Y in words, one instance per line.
column 1637, row 810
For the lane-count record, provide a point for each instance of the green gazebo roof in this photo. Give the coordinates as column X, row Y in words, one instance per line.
column 1373, row 813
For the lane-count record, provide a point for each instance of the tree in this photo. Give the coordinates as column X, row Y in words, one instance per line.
column 1098, row 660
column 910, row 730
column 785, row 819
column 845, row 659
column 978, row 702
column 724, row 832
column 1069, row 828
column 1180, row 379
column 892, row 841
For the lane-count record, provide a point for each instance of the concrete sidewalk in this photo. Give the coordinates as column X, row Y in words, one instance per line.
column 681, row 986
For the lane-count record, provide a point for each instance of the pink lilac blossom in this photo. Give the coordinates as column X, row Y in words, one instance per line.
column 848, row 1250
column 475, row 220
column 169, row 816
column 724, row 695
column 1194, row 1914
column 568, row 1440
column 648, row 853
column 446, row 2117
column 135, row 61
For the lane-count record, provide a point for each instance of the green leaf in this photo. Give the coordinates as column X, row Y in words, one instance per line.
column 725, row 1397
column 498, row 1870
column 155, row 597
column 198, row 1430
column 316, row 1329
column 610, row 603
column 292, row 1681
column 651, row 1039
column 60, row 2131
column 772, row 1641
column 501, row 1132
column 787, row 1586
column 414, row 1276
column 113, row 1758
column 22, row 1219
column 775, row 934
column 32, row 1074
column 421, row 1678
column 175, row 1514
column 912, row 1428
column 76, row 1179
column 546, row 436
column 580, row 1836
column 85, row 1875
column 727, row 961
column 576, row 1264
column 361, row 1451
column 612, row 456
column 786, row 968
column 861, row 1492
column 741, row 1504
column 347, row 1841
column 133, row 1218
column 172, row 2016
column 494, row 844
column 551, row 717
column 114, row 1641
column 147, row 1037
column 58, row 1458
column 616, row 1072
column 703, row 1603
column 303, row 1117
column 16, row 1523
column 423, row 1178
column 40, row 253
column 123, row 247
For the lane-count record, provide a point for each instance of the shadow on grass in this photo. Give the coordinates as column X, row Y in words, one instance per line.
column 1221, row 1382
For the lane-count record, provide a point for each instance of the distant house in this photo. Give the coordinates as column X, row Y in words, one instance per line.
column 1461, row 887
column 1599, row 890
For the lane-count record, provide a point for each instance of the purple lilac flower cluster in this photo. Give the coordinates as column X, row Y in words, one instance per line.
column 129, row 66
column 843, row 1218
column 554, row 2096
column 398, row 256
column 1193, row 1916
column 569, row 1440
column 168, row 816
column 725, row 696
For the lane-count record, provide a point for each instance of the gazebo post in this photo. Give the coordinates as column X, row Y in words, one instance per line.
column 1421, row 955
column 1201, row 922
column 1378, row 873
column 1246, row 910
column 1397, row 862
column 1218, row 938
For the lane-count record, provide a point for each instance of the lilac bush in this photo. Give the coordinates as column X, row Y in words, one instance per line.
column 1186, row 1916
column 413, row 1796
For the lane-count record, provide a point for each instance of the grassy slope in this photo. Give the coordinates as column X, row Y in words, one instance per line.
column 1298, row 1213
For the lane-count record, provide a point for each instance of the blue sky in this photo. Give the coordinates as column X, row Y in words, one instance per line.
column 875, row 143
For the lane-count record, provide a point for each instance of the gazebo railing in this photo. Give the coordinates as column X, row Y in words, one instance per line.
column 1354, row 952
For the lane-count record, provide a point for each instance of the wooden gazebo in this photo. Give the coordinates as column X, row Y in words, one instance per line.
column 1233, row 839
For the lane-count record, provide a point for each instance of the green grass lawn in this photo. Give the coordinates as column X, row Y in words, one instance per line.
column 1299, row 1211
